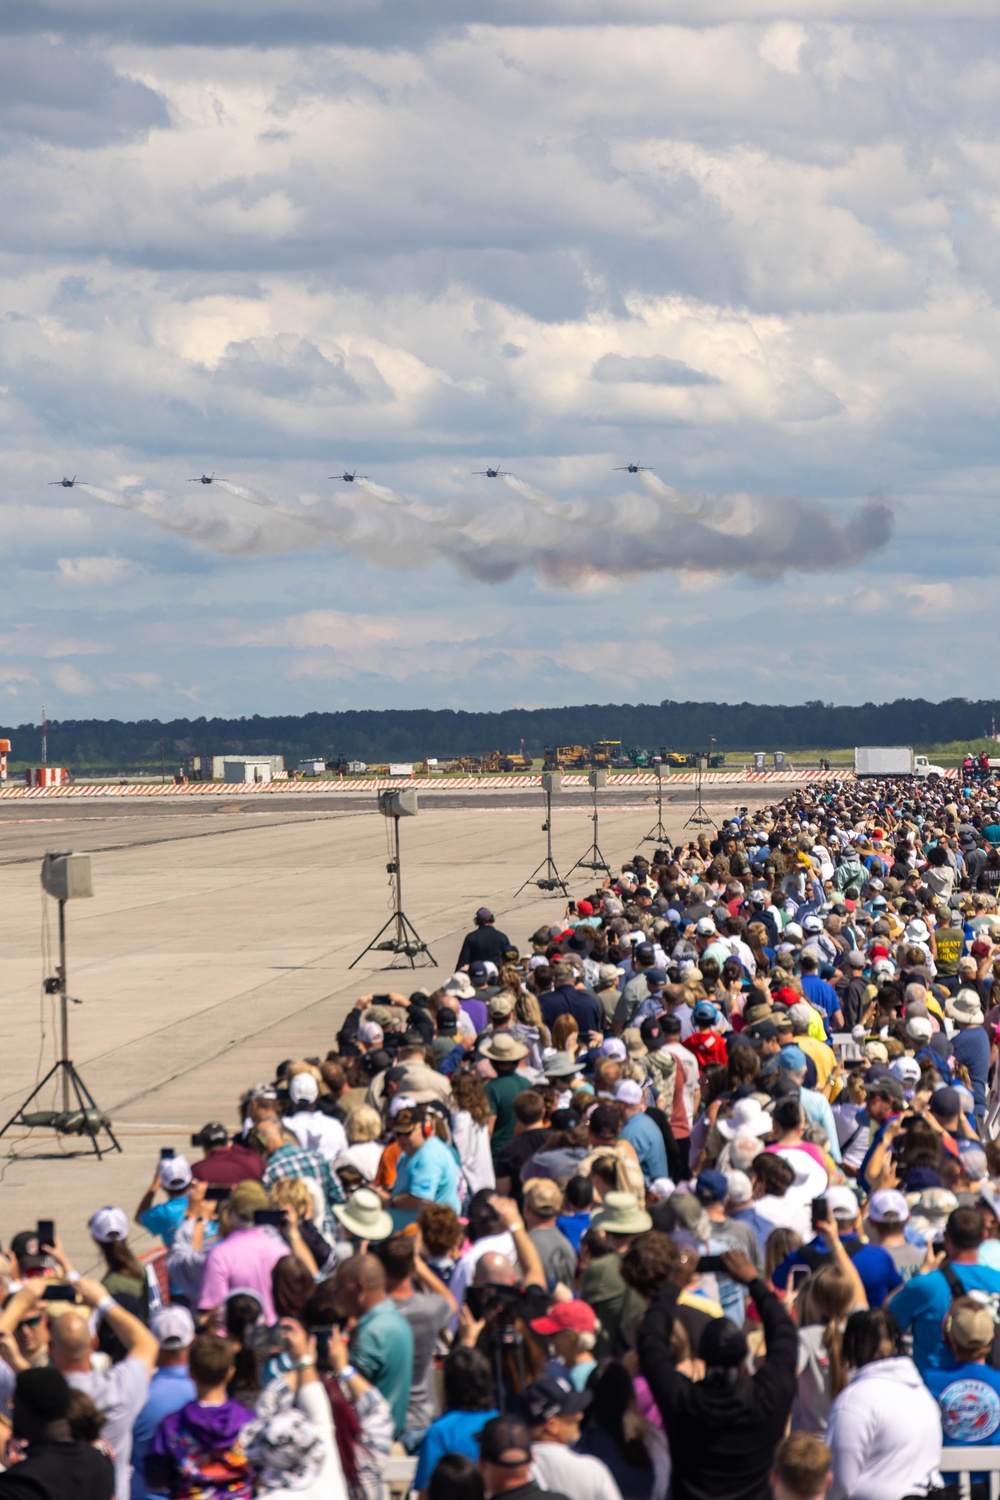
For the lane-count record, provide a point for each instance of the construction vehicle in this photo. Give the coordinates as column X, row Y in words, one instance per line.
column 672, row 757
column 606, row 754
column 520, row 762
column 566, row 757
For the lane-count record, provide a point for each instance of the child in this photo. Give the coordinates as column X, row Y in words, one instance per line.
column 197, row 1450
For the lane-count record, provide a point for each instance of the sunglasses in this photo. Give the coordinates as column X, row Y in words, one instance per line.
column 29, row 1322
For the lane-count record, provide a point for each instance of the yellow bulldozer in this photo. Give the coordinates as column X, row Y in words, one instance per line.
column 566, row 757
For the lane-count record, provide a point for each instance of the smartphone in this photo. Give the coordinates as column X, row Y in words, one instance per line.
column 797, row 1277
column 167, row 1153
column 937, row 1245
column 196, row 1140
column 217, row 1194
column 572, row 906
column 712, row 1263
column 820, row 1212
column 275, row 1216
column 58, row 1291
column 46, row 1231
column 382, row 1000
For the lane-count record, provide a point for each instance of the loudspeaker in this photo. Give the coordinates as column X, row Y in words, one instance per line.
column 598, row 779
column 66, row 876
column 551, row 781
column 402, row 804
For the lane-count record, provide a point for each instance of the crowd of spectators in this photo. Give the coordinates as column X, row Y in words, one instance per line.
column 691, row 1195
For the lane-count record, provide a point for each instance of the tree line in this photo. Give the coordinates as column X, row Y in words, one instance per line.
column 374, row 735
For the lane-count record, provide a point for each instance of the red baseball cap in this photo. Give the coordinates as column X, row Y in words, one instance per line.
column 585, row 908
column 578, row 1317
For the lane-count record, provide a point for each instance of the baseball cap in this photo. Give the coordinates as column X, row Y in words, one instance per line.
column 711, row 1187
column 608, row 974
column 551, row 1397
column 970, row 1324
column 613, row 1046
column 856, row 959
column 213, row 1134
column 761, row 1031
column 812, row 923
column 506, row 1442
column 793, row 932
column 173, row 1327
column 603, row 1121
column 906, row 1069
column 651, row 1033
column 792, row 1058
column 705, row 1011
column 656, row 976
column 841, row 1202
column 501, row 1004
column 740, row 1189
column 887, row 1086
column 945, row 1102
column 405, row 1121
column 246, row 1197
column 478, row 970
column 543, row 1196
column 109, row 1224
column 705, row 927
column 303, row 1089
column 175, row 1173
column 628, row 1092
column 887, row 1206
column 919, row 1028
column 575, row 1316
column 484, row 914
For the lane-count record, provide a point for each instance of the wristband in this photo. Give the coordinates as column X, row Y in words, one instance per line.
column 104, row 1306
column 515, row 1228
column 306, row 1362
column 348, row 1372
column 72, row 1277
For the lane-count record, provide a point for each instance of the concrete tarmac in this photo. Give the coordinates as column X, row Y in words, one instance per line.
column 218, row 942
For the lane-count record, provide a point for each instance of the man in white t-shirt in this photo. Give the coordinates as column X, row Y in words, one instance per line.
column 552, row 1409
column 313, row 1130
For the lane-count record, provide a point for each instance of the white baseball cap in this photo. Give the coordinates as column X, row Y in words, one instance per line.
column 906, row 1069
column 628, row 1092
column 705, row 927
column 842, row 1202
column 175, row 1173
column 812, row 923
column 109, row 1224
column 887, row 1205
column 173, row 1327
column 303, row 1089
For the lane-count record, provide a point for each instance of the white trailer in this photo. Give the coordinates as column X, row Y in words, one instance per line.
column 892, row 760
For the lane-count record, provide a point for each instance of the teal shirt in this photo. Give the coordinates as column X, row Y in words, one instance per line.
column 382, row 1348
column 431, row 1173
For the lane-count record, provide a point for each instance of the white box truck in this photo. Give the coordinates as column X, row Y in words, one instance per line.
column 892, row 760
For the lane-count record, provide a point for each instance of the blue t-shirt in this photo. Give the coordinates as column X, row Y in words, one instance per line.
column 574, row 1227
column 972, row 1047
column 821, row 994
column 455, row 1432
column 641, row 1133
column 431, row 1173
column 923, row 1303
column 874, row 1265
column 165, row 1219
column 969, row 1398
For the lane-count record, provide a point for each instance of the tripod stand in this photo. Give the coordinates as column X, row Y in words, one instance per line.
column 82, row 1117
column 594, row 859
column 699, row 818
column 405, row 939
column 657, row 834
column 551, row 880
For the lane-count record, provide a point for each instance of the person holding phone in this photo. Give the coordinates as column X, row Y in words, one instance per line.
column 173, row 1177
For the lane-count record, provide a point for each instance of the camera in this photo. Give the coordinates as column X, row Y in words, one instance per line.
column 507, row 1302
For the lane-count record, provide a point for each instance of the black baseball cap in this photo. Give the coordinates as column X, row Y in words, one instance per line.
column 213, row 1134
column 603, row 1121
column 670, row 1024
column 651, row 1032
column 506, row 1442
column 552, row 1398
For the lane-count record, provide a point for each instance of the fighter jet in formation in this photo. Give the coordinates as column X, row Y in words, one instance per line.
column 204, row 479
column 67, row 484
column 348, row 478
column 496, row 473
column 631, row 469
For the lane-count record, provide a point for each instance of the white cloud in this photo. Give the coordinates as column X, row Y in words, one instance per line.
column 95, row 570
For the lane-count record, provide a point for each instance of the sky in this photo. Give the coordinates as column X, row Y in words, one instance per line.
column 750, row 247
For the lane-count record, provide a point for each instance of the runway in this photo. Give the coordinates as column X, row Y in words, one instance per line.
column 218, row 942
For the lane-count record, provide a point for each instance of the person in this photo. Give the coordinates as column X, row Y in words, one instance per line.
column 485, row 943
column 224, row 1165
column 469, row 1405
column 920, row 1306
column 505, row 1461
column 428, row 1171
column 971, row 1045
column 294, row 1452
column 119, row 1392
column 124, row 1275
column 170, row 1388
column 542, row 1202
column 552, row 1410
column 55, row 1466
column 822, row 1308
column 286, row 1158
column 602, row 1286
column 968, row 1391
column 723, row 1430
column 198, row 1449
column 875, row 1266
column 885, row 1428
column 470, row 1131
column 887, row 1213
column 381, row 1343
column 530, row 1136
column 640, row 1132
column 246, row 1254
column 314, row 1130
column 577, row 1210
column 633, row 1450
column 504, row 1052
column 801, row 1469
column 362, row 1127
column 571, row 1329
column 428, row 1307
column 173, row 1177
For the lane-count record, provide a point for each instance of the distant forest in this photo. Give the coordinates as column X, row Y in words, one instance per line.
column 373, row 735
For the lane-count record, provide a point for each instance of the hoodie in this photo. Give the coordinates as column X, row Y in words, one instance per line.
column 885, row 1433
column 197, row 1454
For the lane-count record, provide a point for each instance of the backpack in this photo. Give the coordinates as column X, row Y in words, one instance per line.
column 990, row 1300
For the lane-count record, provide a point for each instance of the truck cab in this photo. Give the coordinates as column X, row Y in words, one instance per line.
column 923, row 767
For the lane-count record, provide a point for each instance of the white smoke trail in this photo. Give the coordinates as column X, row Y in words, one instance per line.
column 567, row 543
